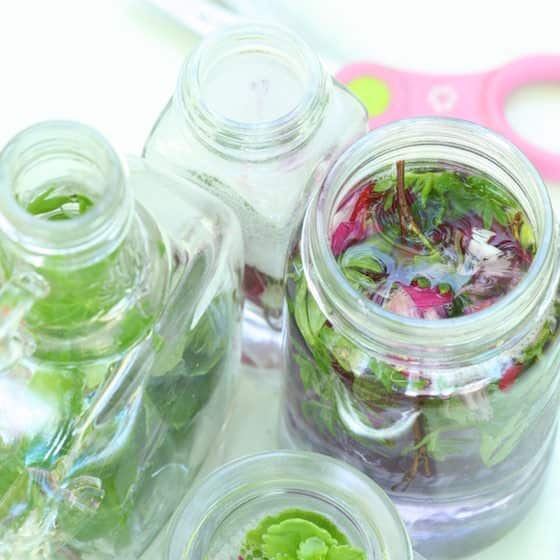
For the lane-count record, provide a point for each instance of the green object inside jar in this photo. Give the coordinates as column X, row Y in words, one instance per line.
column 59, row 203
column 298, row 535
column 432, row 243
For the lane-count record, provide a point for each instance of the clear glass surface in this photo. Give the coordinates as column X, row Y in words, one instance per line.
column 122, row 342
column 257, row 121
column 454, row 418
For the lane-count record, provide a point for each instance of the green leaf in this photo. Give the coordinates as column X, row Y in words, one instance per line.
column 384, row 184
column 349, row 356
column 360, row 281
column 61, row 206
column 527, row 236
column 308, row 316
column 362, row 257
column 298, row 535
column 487, row 217
column 536, row 349
column 315, row 316
column 498, row 441
column 254, row 538
column 285, row 537
column 389, row 199
column 501, row 216
column 313, row 548
column 300, row 309
column 322, row 413
column 345, row 553
column 62, row 387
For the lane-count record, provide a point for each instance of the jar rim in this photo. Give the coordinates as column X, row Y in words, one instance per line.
column 371, row 326
column 81, row 237
column 254, row 141
column 233, row 483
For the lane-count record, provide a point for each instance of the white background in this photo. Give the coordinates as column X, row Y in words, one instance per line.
column 113, row 64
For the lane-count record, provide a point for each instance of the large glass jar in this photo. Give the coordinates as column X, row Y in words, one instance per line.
column 118, row 343
column 296, row 488
column 455, row 418
column 257, row 120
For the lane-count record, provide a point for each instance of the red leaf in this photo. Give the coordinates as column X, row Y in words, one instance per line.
column 509, row 376
column 254, row 283
column 345, row 234
column 354, row 229
column 364, row 201
column 425, row 298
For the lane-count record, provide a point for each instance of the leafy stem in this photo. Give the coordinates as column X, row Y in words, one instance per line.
column 420, row 457
column 407, row 221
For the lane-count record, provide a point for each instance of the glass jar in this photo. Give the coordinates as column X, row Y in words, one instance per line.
column 257, row 120
column 454, row 418
column 218, row 513
column 118, row 343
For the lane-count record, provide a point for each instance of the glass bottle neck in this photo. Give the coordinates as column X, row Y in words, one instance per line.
column 253, row 93
column 63, row 161
column 448, row 343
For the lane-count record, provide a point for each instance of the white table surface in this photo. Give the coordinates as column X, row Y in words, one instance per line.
column 113, row 64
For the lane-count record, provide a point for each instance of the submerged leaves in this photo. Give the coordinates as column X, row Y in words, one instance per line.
column 298, row 535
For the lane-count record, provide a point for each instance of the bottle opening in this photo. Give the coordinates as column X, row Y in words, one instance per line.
column 434, row 144
column 64, row 191
column 252, row 86
column 253, row 91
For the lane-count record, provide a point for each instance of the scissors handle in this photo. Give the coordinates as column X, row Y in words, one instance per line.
column 391, row 94
column 502, row 83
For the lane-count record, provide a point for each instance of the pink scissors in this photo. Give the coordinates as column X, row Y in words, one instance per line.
column 391, row 94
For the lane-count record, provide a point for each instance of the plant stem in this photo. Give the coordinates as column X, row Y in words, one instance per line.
column 420, row 458
column 405, row 213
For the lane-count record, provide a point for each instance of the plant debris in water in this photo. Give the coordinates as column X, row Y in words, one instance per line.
column 432, row 244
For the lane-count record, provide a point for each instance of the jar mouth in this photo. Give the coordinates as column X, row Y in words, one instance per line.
column 276, row 480
column 64, row 152
column 423, row 341
column 252, row 138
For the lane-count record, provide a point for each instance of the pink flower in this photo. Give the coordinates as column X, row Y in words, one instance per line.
column 419, row 303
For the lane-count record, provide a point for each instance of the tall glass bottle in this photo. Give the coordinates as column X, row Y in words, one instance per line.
column 257, row 119
column 119, row 341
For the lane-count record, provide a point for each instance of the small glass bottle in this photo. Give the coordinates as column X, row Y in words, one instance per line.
column 118, row 343
column 217, row 514
column 454, row 417
column 257, row 120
